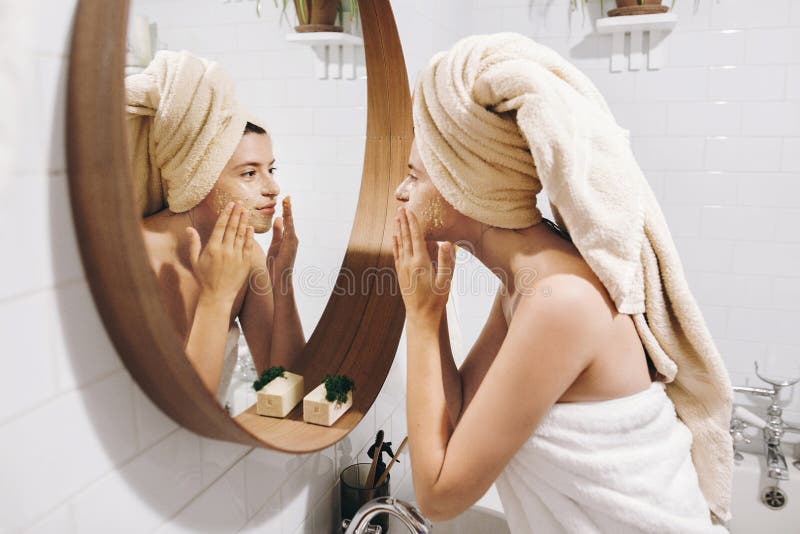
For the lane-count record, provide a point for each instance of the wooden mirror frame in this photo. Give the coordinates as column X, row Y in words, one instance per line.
column 357, row 335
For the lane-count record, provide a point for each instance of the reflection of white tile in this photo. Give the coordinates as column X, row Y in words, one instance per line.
column 741, row 14
column 703, row 118
column 739, row 222
column 746, row 82
column 766, row 258
column 59, row 521
column 743, row 153
column 303, row 490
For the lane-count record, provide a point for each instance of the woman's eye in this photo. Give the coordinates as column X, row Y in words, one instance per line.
column 272, row 170
column 249, row 174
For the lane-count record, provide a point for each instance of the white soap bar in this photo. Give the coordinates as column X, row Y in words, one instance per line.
column 280, row 396
column 318, row 410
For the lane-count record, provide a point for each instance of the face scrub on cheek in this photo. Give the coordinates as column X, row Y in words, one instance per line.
column 433, row 213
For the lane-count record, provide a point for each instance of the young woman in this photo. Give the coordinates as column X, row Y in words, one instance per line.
column 204, row 180
column 557, row 401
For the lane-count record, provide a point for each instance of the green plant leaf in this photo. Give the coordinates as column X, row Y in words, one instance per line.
column 337, row 388
column 268, row 376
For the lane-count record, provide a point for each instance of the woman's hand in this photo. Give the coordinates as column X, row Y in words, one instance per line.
column 223, row 265
column 424, row 284
column 283, row 249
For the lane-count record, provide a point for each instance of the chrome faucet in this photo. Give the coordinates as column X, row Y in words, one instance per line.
column 774, row 426
column 407, row 513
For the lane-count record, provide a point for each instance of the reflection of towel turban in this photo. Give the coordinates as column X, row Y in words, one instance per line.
column 499, row 117
column 184, row 124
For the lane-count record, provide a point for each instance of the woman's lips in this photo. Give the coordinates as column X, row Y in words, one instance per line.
column 267, row 210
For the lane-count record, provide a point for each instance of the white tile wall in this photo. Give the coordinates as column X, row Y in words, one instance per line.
column 83, row 450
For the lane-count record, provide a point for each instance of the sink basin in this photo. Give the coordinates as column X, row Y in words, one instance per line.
column 749, row 513
column 476, row 520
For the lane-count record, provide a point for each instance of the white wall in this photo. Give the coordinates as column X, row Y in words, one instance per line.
column 82, row 449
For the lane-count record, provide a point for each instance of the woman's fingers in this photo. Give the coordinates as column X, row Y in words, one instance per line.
column 408, row 247
column 241, row 231
column 417, row 239
column 232, row 226
column 222, row 222
column 247, row 248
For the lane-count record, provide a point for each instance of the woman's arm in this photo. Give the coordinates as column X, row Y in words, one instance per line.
column 451, row 375
column 207, row 338
column 288, row 339
column 542, row 355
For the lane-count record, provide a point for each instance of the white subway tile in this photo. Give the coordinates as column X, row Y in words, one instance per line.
column 739, row 355
column 305, row 149
column 743, row 153
column 340, row 121
column 614, row 86
column 311, row 92
column 80, row 345
column 285, row 121
column 769, row 326
column 641, row 118
column 266, row 519
column 705, row 254
column 327, row 517
column 257, row 36
column 52, row 79
column 750, row 82
column 265, row 472
column 701, row 188
column 669, row 153
column 220, row 508
column 692, row 15
column 671, row 84
column 793, row 82
column 701, row 49
column 782, row 362
column 265, row 95
column 786, row 292
column 240, row 65
column 217, row 457
column 52, row 452
column 739, row 222
column 296, row 62
column 145, row 492
column 773, row 45
column 52, row 22
column 59, row 521
column 766, row 258
column 771, row 118
column 716, row 319
column 722, row 289
column 303, row 489
column 152, row 424
column 791, row 154
column 703, row 118
column 744, row 14
column 788, row 227
column 683, row 220
column 769, row 189
column 26, row 324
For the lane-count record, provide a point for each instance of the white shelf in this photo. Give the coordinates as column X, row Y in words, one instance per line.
column 658, row 25
column 335, row 52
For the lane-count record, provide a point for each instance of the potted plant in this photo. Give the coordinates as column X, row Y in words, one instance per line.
column 328, row 401
column 321, row 15
column 636, row 7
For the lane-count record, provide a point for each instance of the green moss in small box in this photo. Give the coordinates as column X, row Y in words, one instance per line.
column 337, row 387
column 268, row 376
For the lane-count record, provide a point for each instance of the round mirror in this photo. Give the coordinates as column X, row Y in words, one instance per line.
column 239, row 102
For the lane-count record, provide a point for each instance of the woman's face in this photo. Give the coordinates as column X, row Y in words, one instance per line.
column 419, row 196
column 248, row 178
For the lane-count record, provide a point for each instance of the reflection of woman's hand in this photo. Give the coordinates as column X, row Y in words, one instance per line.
column 224, row 263
column 424, row 284
column 283, row 249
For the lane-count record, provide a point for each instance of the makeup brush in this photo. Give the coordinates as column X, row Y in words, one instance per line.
column 396, row 455
column 376, row 454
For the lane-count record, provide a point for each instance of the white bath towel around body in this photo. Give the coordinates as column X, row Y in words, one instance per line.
column 618, row 466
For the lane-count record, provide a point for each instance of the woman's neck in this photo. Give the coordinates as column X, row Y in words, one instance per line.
column 516, row 256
